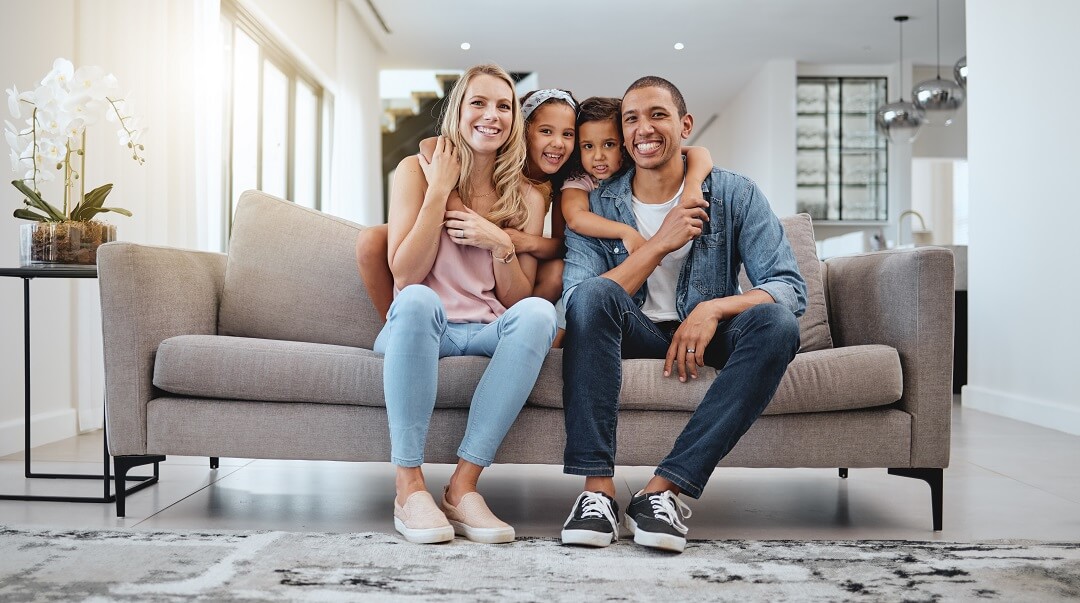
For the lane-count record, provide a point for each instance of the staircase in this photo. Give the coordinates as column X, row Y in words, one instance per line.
column 405, row 123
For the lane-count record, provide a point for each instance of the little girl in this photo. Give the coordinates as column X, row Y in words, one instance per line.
column 602, row 156
column 551, row 153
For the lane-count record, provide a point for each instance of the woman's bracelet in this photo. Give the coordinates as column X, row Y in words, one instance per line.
column 509, row 257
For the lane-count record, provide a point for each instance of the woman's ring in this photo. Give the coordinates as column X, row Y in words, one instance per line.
column 689, row 350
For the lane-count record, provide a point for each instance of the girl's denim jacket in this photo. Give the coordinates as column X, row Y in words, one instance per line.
column 742, row 229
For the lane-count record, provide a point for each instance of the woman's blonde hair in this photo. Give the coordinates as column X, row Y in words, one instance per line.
column 509, row 209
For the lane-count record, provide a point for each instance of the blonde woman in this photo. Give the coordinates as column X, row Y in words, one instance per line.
column 462, row 290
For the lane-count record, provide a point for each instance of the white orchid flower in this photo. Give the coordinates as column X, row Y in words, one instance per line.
column 83, row 106
column 51, row 153
column 61, row 73
column 125, row 137
column 74, row 128
column 57, row 114
column 50, row 123
column 45, row 170
column 21, row 142
column 17, row 161
column 14, row 139
column 47, row 98
column 89, row 81
column 13, row 102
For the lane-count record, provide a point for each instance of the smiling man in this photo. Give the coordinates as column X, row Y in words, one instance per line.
column 675, row 298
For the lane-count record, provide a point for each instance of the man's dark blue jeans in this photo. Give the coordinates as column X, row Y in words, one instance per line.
column 604, row 325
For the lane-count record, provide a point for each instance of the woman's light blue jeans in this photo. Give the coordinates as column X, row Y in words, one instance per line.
column 416, row 335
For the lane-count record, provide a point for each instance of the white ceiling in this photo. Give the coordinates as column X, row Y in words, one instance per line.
column 597, row 47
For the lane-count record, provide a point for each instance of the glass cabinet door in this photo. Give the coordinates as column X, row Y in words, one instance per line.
column 841, row 160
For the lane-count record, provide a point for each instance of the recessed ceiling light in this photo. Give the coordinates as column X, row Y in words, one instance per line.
column 465, row 46
column 679, row 46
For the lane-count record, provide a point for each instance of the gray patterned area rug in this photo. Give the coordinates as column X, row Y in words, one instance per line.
column 42, row 565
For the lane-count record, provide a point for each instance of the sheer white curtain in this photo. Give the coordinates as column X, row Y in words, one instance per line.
column 166, row 56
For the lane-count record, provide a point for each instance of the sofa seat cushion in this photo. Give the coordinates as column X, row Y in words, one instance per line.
column 863, row 376
column 244, row 368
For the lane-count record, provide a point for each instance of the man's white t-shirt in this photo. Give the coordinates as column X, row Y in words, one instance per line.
column 660, row 301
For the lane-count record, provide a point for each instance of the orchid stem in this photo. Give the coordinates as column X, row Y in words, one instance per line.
column 67, row 178
column 82, row 168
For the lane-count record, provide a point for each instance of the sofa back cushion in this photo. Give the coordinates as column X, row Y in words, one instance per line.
column 292, row 275
column 814, row 323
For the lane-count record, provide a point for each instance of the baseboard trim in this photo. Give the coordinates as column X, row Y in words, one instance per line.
column 45, row 427
column 1044, row 413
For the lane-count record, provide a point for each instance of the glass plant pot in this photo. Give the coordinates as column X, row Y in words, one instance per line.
column 63, row 242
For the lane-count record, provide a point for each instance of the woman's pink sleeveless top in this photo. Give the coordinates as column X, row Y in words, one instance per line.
column 464, row 279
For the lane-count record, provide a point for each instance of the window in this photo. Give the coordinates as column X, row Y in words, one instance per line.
column 842, row 161
column 275, row 118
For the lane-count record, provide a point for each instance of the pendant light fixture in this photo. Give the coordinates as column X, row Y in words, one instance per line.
column 959, row 72
column 900, row 121
column 939, row 98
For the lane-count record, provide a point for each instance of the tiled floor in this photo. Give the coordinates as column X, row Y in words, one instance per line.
column 1008, row 480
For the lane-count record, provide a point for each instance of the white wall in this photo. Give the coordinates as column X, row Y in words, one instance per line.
column 305, row 29
column 932, row 190
column 754, row 135
column 24, row 60
column 1023, row 285
column 158, row 51
column 933, row 158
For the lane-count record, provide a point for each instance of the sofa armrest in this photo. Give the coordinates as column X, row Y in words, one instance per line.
column 904, row 299
column 148, row 294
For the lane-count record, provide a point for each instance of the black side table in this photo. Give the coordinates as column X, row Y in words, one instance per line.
column 28, row 273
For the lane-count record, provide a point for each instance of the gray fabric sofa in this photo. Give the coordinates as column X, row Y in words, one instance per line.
column 266, row 353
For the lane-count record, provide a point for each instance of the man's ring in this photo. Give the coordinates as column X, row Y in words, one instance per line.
column 689, row 350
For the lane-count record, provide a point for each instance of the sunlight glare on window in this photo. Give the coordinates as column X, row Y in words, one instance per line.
column 245, row 115
column 275, row 158
column 305, row 152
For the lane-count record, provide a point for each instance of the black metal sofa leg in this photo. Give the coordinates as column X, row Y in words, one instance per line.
column 214, row 462
column 843, row 472
column 123, row 464
column 934, row 478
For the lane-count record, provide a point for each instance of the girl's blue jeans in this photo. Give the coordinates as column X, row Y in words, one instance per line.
column 416, row 335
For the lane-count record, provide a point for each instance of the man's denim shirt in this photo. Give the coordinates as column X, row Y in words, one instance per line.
column 742, row 228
